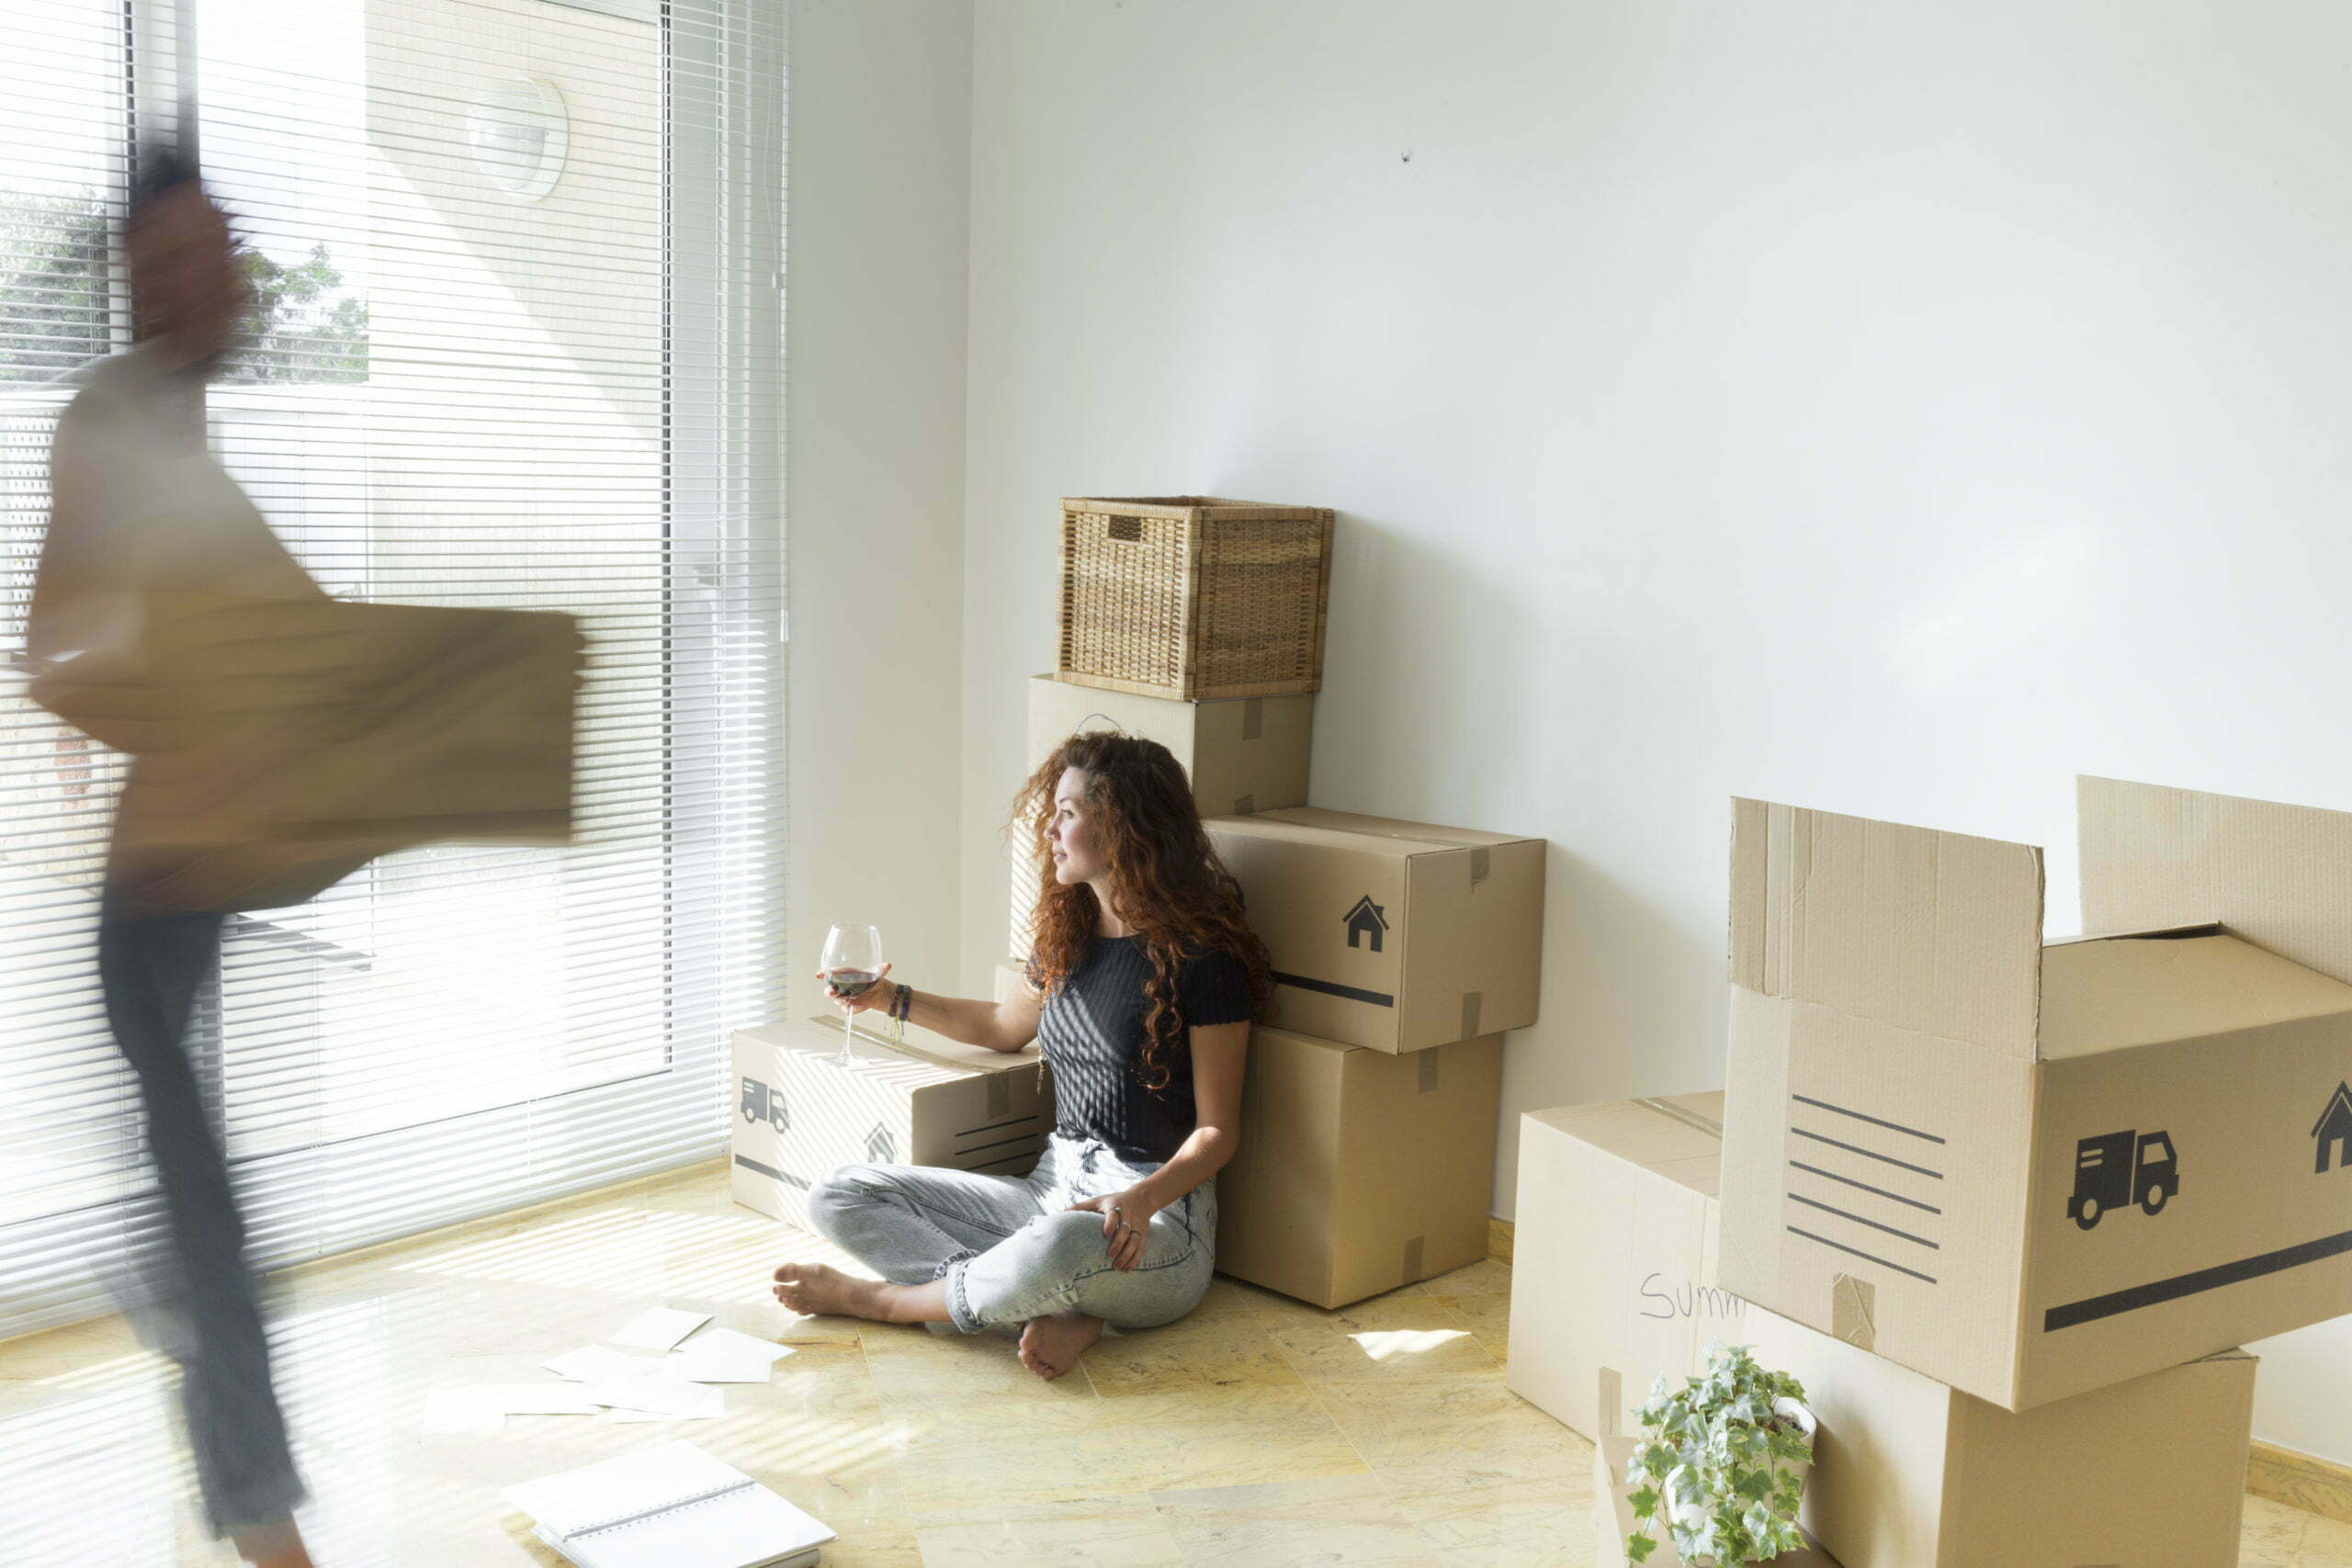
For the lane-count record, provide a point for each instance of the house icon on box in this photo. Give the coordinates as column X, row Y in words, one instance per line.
column 2334, row 1128
column 1367, row 920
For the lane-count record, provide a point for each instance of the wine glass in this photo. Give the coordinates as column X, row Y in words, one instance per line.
column 853, row 962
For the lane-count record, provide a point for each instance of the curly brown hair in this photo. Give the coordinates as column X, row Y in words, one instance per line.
column 1164, row 875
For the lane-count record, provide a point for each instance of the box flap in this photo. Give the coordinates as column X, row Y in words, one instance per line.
column 1408, row 838
column 1935, row 933
column 2114, row 993
column 1638, row 1132
column 2154, row 857
column 1271, row 825
column 1304, row 1041
column 1706, row 1111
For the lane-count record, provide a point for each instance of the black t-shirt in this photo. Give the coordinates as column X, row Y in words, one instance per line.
column 1092, row 1033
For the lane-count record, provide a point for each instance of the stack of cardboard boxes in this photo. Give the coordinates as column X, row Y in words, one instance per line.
column 2005, row 1207
column 1401, row 951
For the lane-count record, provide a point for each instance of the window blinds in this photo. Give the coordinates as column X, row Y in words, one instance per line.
column 519, row 344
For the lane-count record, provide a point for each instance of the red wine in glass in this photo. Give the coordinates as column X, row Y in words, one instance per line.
column 853, row 963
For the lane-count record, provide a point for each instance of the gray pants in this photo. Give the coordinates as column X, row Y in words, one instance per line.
column 154, row 970
column 1011, row 1248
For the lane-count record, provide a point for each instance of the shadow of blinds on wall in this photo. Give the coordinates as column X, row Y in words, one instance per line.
column 519, row 344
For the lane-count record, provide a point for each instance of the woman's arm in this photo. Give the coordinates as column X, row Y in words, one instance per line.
column 1219, row 1050
column 1008, row 1025
column 1219, row 1053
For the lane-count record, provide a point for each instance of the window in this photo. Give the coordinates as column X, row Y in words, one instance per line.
column 517, row 343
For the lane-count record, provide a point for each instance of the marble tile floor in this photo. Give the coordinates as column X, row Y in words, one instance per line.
column 1259, row 1431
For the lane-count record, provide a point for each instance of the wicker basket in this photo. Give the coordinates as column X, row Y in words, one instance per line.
column 1192, row 597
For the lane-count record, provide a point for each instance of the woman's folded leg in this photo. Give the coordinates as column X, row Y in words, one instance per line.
column 1061, row 1262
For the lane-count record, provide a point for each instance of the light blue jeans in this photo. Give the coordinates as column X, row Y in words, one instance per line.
column 1010, row 1247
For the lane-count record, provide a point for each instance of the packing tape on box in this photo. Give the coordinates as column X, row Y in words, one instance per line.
column 1428, row 1070
column 1245, row 805
column 1853, row 1310
column 999, row 1094
column 1253, row 719
column 1472, row 1002
column 1612, row 1400
column 1413, row 1260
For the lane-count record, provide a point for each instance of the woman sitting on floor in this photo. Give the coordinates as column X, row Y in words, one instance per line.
column 1143, row 982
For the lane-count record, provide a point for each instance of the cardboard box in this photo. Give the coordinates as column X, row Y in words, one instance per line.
column 1358, row 1171
column 1614, row 1517
column 1394, row 936
column 2028, row 1171
column 1614, row 1280
column 929, row 1102
column 1242, row 754
column 1908, row 1474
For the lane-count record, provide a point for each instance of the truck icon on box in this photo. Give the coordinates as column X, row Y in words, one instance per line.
column 762, row 1103
column 2117, row 1168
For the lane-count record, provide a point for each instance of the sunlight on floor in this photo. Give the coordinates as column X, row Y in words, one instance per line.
column 1380, row 1347
column 1258, row 1430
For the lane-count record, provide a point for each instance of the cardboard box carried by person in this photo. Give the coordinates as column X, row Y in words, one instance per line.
column 1614, row 1517
column 1613, row 1280
column 2031, row 1171
column 1358, row 1171
column 931, row 1100
column 1242, row 754
column 1909, row 1473
column 1394, row 936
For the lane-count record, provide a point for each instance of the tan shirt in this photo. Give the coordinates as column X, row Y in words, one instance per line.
column 142, row 507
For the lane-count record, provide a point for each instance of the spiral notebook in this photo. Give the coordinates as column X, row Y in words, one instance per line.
column 674, row 1506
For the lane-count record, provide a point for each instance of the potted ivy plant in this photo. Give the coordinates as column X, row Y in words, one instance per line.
column 1722, row 1463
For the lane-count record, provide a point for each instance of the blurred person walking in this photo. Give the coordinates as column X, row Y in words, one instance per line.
column 142, row 510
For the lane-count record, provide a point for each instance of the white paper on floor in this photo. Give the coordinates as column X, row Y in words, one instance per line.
column 484, row 1409
column 540, row 1399
column 622, row 1415
column 722, row 1355
column 659, row 1328
column 594, row 1363
column 460, row 1410
column 665, row 1397
column 675, row 1387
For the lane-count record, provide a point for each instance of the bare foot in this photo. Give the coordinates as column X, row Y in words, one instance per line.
column 274, row 1546
column 1051, row 1346
column 820, row 1290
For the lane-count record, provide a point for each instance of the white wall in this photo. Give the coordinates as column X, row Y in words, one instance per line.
column 1890, row 407
column 881, row 108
